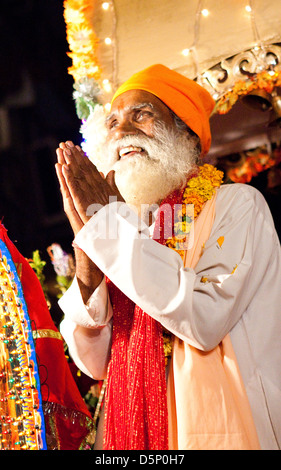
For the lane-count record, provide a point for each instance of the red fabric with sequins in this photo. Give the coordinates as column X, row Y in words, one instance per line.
column 136, row 416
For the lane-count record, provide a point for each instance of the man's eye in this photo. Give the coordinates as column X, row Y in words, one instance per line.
column 112, row 124
column 143, row 114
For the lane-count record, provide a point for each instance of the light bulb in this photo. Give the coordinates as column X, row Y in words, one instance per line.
column 105, row 5
column 106, row 85
column 205, row 12
column 107, row 41
column 248, row 8
column 185, row 52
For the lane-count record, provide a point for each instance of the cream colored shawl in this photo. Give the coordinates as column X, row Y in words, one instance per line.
column 207, row 401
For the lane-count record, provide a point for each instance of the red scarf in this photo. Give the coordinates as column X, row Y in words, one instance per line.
column 136, row 415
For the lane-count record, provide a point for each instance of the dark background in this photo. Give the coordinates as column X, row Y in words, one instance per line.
column 37, row 112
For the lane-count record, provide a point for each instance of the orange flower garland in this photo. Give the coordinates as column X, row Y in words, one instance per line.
column 266, row 80
column 83, row 44
column 198, row 191
column 254, row 163
column 81, row 39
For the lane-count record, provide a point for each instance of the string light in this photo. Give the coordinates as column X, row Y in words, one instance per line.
column 185, row 52
column 205, row 12
column 108, row 41
column 192, row 49
column 107, row 85
column 257, row 38
column 105, row 5
column 200, row 11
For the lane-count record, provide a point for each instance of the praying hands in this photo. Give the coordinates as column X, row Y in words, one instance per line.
column 82, row 184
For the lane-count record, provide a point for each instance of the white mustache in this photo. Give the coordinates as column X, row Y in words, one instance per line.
column 150, row 145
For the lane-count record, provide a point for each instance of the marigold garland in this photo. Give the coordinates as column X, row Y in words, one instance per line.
column 266, row 80
column 83, row 44
column 81, row 39
column 254, row 163
column 199, row 190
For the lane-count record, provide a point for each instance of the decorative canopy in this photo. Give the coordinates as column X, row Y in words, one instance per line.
column 231, row 48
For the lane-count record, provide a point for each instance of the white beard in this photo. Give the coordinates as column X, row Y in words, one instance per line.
column 149, row 178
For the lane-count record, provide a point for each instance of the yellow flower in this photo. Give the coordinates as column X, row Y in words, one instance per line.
column 72, row 15
column 212, row 174
column 81, row 38
column 198, row 190
column 203, row 187
column 187, row 212
column 78, row 5
column 182, row 227
column 171, row 243
column 167, row 345
column 181, row 212
column 191, row 197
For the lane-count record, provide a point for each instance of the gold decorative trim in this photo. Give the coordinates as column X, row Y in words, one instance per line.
column 222, row 77
column 47, row 334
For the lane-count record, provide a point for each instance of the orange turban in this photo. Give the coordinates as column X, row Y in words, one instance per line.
column 189, row 101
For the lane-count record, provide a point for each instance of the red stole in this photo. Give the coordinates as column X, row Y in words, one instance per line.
column 136, row 415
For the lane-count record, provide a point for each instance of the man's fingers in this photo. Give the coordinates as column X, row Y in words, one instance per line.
column 80, row 164
column 74, row 154
column 60, row 156
column 80, row 150
column 62, row 182
column 68, row 204
column 79, row 190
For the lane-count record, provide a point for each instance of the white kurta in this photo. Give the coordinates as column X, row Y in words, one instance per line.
column 235, row 287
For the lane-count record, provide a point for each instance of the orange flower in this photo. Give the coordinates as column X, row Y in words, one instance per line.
column 263, row 80
column 171, row 243
column 82, row 39
column 78, row 5
column 198, row 190
column 197, row 201
column 211, row 173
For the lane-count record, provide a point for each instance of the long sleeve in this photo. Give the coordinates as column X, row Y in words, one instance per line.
column 200, row 306
column 234, row 288
column 95, row 314
column 87, row 329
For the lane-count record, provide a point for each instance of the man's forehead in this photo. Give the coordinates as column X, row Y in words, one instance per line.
column 130, row 107
column 136, row 99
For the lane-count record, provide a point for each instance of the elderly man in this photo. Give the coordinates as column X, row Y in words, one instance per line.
column 184, row 325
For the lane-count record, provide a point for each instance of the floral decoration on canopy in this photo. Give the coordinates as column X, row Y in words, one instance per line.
column 266, row 80
column 252, row 163
column 263, row 73
column 83, row 44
